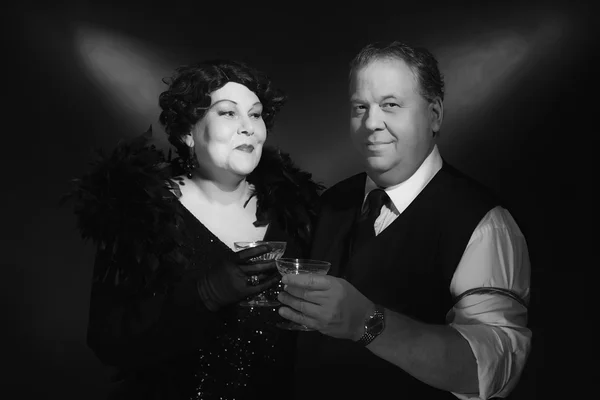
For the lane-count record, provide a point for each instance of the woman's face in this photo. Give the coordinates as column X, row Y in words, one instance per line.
column 228, row 140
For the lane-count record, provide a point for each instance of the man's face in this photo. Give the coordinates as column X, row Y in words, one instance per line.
column 392, row 124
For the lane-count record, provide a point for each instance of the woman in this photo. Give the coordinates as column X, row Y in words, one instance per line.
column 167, row 281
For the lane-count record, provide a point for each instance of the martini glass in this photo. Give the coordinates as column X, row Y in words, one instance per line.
column 277, row 250
column 300, row 266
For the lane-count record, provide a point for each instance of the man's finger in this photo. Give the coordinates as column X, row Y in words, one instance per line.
column 295, row 316
column 304, row 307
column 313, row 296
column 308, row 281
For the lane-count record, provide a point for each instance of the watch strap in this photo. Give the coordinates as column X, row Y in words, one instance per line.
column 369, row 335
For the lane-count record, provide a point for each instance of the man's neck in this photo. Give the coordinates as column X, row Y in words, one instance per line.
column 396, row 175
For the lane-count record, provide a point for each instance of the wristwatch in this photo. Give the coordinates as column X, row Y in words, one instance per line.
column 374, row 325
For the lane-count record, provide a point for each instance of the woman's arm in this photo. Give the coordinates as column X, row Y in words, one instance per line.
column 130, row 328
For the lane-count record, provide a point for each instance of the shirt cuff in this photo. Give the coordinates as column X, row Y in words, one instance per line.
column 499, row 364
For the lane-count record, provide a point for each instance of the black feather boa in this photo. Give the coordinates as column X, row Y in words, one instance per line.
column 127, row 201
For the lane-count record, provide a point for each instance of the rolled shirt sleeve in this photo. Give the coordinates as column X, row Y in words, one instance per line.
column 494, row 324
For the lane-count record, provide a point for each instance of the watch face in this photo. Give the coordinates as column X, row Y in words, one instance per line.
column 375, row 324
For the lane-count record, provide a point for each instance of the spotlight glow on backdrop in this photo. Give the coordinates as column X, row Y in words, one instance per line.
column 128, row 72
column 477, row 70
column 480, row 73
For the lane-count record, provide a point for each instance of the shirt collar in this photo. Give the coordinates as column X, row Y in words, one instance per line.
column 405, row 192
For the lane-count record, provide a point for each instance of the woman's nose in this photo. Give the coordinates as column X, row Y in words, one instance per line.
column 246, row 128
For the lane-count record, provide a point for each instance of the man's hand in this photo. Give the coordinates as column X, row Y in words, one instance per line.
column 328, row 304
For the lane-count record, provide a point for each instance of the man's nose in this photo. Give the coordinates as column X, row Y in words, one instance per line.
column 374, row 119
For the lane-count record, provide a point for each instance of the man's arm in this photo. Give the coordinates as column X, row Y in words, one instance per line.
column 491, row 285
column 483, row 351
column 435, row 354
column 475, row 361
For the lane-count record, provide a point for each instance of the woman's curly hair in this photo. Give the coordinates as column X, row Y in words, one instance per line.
column 186, row 100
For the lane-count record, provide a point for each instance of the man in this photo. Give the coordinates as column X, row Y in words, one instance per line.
column 426, row 297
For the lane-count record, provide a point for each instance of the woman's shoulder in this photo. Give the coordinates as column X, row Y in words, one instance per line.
column 281, row 185
column 128, row 205
column 286, row 193
column 276, row 170
column 131, row 186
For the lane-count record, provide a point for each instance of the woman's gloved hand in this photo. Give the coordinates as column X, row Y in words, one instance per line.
column 232, row 281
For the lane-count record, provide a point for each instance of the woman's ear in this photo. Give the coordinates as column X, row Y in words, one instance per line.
column 188, row 140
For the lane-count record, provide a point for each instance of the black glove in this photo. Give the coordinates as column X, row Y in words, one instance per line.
column 230, row 282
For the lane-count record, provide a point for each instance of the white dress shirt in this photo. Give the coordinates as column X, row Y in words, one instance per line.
column 495, row 257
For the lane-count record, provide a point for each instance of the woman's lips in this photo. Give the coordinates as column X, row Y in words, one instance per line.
column 245, row 147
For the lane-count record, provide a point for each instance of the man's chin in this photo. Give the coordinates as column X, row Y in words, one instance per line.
column 377, row 165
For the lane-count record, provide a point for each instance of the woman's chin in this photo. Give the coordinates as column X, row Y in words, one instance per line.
column 243, row 165
column 243, row 169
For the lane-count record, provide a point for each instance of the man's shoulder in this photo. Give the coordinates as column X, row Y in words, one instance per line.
column 458, row 196
column 455, row 181
column 346, row 187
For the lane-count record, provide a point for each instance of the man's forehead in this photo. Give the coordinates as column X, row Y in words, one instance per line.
column 382, row 79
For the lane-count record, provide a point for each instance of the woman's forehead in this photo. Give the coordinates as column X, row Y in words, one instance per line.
column 236, row 93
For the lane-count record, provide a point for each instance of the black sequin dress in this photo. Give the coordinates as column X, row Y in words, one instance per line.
column 146, row 318
column 248, row 357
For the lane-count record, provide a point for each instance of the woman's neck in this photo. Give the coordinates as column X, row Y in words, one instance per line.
column 223, row 191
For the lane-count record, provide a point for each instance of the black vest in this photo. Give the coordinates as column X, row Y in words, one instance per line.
column 406, row 268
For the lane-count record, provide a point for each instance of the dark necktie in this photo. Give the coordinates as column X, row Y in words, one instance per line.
column 365, row 225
